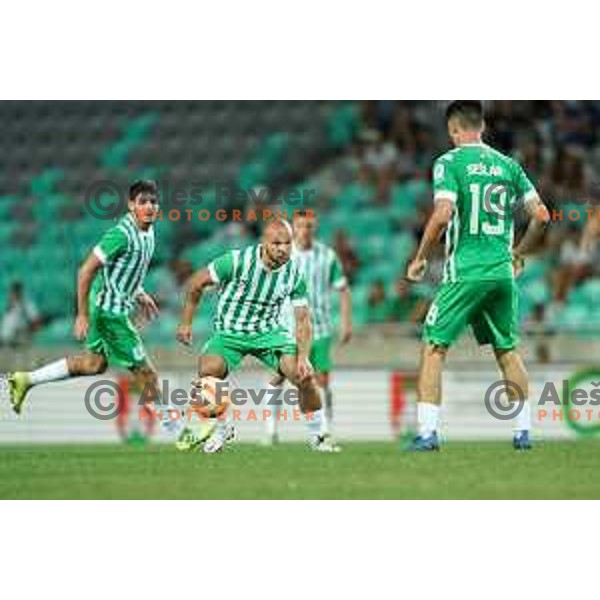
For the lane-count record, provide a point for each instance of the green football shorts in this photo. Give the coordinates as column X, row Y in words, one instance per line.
column 266, row 347
column 320, row 355
column 489, row 307
column 116, row 338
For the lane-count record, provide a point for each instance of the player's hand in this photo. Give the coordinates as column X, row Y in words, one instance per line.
column 149, row 306
column 304, row 368
column 518, row 265
column 416, row 270
column 80, row 329
column 346, row 334
column 184, row 334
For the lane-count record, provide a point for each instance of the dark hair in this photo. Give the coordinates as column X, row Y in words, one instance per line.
column 304, row 213
column 468, row 112
column 143, row 186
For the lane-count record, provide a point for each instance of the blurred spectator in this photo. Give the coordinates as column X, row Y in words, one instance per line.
column 529, row 154
column 568, row 178
column 500, row 123
column 379, row 163
column 346, row 254
column 378, row 309
column 171, row 286
column 407, row 306
column 21, row 318
column 574, row 264
column 538, row 327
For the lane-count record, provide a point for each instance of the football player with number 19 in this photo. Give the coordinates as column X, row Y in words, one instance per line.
column 476, row 189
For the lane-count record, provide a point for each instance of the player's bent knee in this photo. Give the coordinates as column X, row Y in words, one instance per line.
column 212, row 366
column 94, row 365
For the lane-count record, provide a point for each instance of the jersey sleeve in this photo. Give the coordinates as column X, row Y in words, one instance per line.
column 113, row 243
column 221, row 269
column 337, row 279
column 445, row 184
column 299, row 295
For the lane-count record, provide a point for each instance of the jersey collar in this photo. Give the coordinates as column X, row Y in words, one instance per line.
column 132, row 221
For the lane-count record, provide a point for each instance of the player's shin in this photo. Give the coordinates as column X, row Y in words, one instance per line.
column 522, row 419
column 429, row 390
column 54, row 371
column 428, row 417
column 311, row 406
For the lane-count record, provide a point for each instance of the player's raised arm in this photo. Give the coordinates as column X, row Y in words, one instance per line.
column 85, row 276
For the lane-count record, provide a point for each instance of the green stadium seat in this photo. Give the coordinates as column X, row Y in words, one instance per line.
column 354, row 195
column 134, row 133
column 368, row 222
column 536, row 292
column 203, row 253
column 7, row 204
column 589, row 292
column 154, row 277
column 343, row 124
column 401, row 248
column 404, row 203
column 386, row 271
column 572, row 317
column 534, row 269
column 252, row 174
column 43, row 184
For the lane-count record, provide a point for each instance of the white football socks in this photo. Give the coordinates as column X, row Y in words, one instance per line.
column 314, row 423
column 428, row 418
column 522, row 421
column 52, row 372
column 271, row 420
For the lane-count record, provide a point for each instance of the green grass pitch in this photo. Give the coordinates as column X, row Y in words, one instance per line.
column 289, row 471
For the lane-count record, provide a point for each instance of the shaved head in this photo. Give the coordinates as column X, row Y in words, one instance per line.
column 277, row 243
column 277, row 224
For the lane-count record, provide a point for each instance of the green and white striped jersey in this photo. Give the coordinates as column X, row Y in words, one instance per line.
column 251, row 296
column 125, row 252
column 323, row 272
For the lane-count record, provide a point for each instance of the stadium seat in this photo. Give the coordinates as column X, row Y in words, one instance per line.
column 572, row 317
column 537, row 292
column 342, row 126
column 354, row 195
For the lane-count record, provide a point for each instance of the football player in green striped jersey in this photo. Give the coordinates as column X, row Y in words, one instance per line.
column 109, row 287
column 476, row 191
column 253, row 285
column 323, row 273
